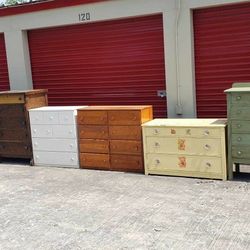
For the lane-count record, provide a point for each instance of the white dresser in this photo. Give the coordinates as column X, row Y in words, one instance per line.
column 54, row 136
column 185, row 147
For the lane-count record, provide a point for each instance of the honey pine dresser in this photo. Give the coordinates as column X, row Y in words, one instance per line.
column 15, row 139
column 111, row 137
column 54, row 136
column 185, row 147
column 238, row 112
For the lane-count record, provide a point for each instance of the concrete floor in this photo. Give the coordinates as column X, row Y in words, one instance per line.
column 52, row 208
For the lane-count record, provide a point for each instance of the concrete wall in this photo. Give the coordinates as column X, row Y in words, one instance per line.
column 178, row 36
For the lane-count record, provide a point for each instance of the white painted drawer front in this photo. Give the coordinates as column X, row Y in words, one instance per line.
column 43, row 131
column 56, row 158
column 56, row 145
column 66, row 117
column 187, row 132
column 53, row 131
column 190, row 146
column 159, row 162
column 36, row 117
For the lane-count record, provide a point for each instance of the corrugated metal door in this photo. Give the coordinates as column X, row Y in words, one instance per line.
column 4, row 76
column 222, row 55
column 117, row 62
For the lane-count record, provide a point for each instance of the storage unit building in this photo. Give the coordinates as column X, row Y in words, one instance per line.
column 4, row 77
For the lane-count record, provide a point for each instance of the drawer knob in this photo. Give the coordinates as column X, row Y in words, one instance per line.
column 36, row 144
column 34, row 130
column 134, row 118
column 71, row 145
column 156, row 131
column 239, row 112
column 208, row 164
column 239, row 139
column 157, row 144
column 238, row 98
column 238, row 126
column 66, row 117
column 157, row 161
column 239, row 153
column 51, row 117
column 37, row 157
column 48, row 131
column 207, row 147
column 70, row 131
column 206, row 132
column 103, row 132
column 72, row 159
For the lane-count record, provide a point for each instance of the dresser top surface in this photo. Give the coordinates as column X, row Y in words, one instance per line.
column 58, row 108
column 26, row 92
column 186, row 123
column 127, row 107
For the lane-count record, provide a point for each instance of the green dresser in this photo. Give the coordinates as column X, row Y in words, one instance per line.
column 238, row 112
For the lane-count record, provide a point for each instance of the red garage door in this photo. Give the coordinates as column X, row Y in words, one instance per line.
column 4, row 77
column 222, row 55
column 107, row 63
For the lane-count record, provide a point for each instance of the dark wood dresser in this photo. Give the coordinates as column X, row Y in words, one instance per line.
column 110, row 137
column 15, row 137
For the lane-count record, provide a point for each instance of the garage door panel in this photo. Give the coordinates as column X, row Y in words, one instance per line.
column 222, row 55
column 114, row 63
column 4, row 76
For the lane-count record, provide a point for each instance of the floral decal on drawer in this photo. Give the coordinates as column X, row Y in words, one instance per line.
column 182, row 162
column 173, row 131
column 182, row 144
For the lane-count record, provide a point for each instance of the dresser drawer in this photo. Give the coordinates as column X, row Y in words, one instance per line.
column 56, row 159
column 53, row 131
column 13, row 123
column 94, row 146
column 95, row 161
column 92, row 117
column 190, row 146
column 93, row 132
column 187, row 132
column 14, row 134
column 125, row 132
column 56, row 145
column 15, row 149
column 240, row 113
column 241, row 139
column 241, row 152
column 162, row 162
column 127, row 163
column 241, row 99
column 125, row 147
column 12, row 111
column 240, row 127
column 121, row 117
column 67, row 117
column 46, row 118
column 12, row 98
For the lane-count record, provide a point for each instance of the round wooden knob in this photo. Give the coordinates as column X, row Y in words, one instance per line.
column 238, row 98
column 208, row 164
column 156, row 131
column 238, row 126
column 239, row 112
column 207, row 147
column 239, row 153
column 206, row 132
column 157, row 161
column 239, row 139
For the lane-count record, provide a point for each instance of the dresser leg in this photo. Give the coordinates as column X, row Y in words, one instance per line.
column 230, row 169
column 237, row 168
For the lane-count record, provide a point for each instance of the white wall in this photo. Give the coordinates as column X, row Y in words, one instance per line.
column 180, row 80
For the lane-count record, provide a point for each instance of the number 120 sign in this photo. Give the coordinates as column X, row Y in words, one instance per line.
column 85, row 16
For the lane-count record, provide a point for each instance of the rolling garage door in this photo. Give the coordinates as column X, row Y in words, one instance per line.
column 222, row 55
column 4, row 77
column 106, row 63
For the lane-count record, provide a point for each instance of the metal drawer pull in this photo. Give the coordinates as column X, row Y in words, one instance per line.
column 156, row 131
column 157, row 161
column 238, row 98
column 206, row 132
column 239, row 139
column 207, row 147
column 239, row 153
column 208, row 164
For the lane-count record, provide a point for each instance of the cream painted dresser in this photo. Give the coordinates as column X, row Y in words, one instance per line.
column 185, row 147
column 54, row 136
